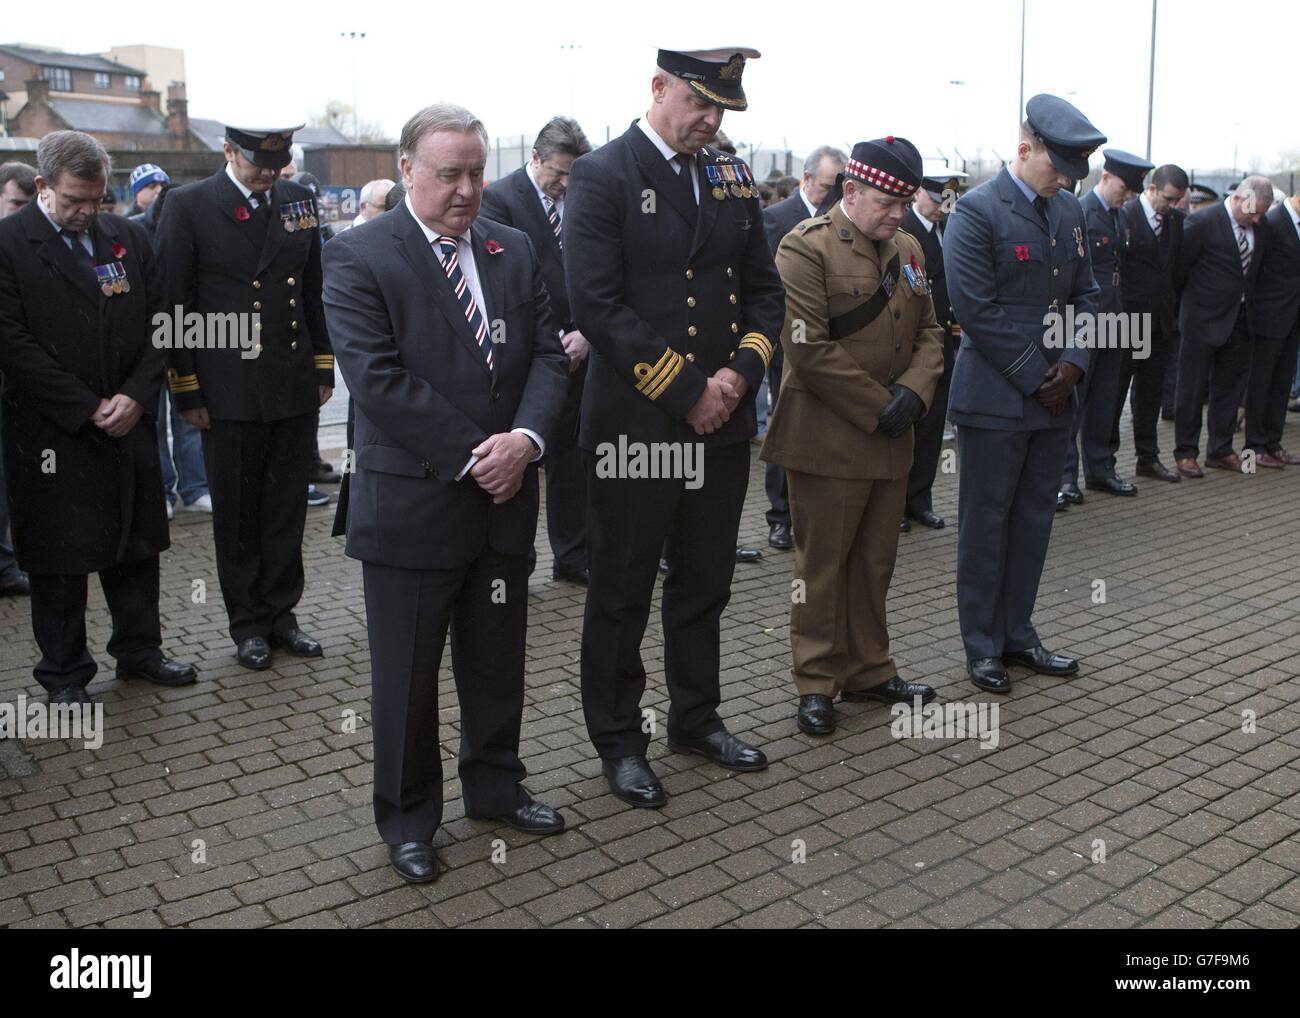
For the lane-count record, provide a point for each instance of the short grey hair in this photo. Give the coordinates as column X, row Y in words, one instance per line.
column 438, row 117
column 71, row 152
column 1261, row 186
column 368, row 192
column 562, row 135
column 815, row 157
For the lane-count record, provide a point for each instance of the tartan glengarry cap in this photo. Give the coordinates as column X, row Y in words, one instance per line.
column 264, row 146
column 714, row 74
column 889, row 164
column 1129, row 168
column 1069, row 135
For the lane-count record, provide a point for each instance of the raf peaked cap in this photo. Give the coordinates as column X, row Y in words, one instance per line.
column 889, row 164
column 1129, row 168
column 714, row 74
column 263, row 146
column 1069, row 135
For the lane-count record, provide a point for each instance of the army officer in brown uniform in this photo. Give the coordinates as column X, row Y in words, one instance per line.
column 863, row 355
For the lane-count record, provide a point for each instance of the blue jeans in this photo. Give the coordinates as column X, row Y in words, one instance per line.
column 187, row 476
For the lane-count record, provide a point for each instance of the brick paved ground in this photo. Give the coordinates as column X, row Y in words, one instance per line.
column 1144, row 751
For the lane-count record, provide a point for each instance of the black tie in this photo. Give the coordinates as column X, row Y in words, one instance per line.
column 84, row 258
column 684, row 178
column 1040, row 204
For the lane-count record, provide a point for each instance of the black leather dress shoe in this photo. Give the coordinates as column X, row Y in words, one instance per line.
column 989, row 674
column 19, row 586
column 904, row 526
column 70, row 694
column 1062, row 505
column 631, row 779
column 254, row 653
column 724, row 749
column 816, row 714
column 1157, row 470
column 893, row 691
column 415, row 862
column 534, row 818
column 1112, row 484
column 163, row 672
column 297, row 643
column 579, row 575
column 927, row 518
column 744, row 554
column 1072, row 493
column 780, row 537
column 1041, row 660
column 324, row 473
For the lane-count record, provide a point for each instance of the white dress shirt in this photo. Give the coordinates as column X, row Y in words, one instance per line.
column 468, row 269
column 84, row 236
column 542, row 196
column 668, row 153
column 812, row 211
column 1149, row 212
column 1238, row 229
column 1295, row 216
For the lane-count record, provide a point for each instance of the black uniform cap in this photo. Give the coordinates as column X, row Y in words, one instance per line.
column 714, row 74
column 264, row 146
column 1069, row 135
column 1129, row 168
column 889, row 164
column 1199, row 194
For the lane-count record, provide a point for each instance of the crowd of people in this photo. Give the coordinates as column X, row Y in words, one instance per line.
column 645, row 298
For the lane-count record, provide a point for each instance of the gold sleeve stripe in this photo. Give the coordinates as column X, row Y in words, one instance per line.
column 668, row 376
column 182, row 383
column 648, row 377
column 759, row 343
column 325, row 361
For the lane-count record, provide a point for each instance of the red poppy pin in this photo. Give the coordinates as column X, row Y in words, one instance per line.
column 494, row 248
column 242, row 214
column 1022, row 252
column 119, row 252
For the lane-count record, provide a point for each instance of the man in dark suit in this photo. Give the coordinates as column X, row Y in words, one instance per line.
column 672, row 281
column 820, row 171
column 532, row 200
column 1277, row 333
column 1217, row 267
column 245, row 244
column 925, row 220
column 453, row 359
column 1101, row 395
column 79, row 290
column 1155, row 237
column 1014, row 381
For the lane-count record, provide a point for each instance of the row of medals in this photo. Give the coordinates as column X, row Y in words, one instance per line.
column 737, row 191
column 116, row 283
column 303, row 222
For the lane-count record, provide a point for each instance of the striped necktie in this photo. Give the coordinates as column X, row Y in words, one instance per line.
column 1243, row 245
column 1160, row 224
column 446, row 248
column 553, row 217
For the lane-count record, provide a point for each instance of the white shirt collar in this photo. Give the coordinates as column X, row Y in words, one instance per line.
column 812, row 211
column 245, row 191
column 1147, row 209
column 542, row 196
column 925, row 223
column 664, row 148
column 1295, row 216
column 1237, row 228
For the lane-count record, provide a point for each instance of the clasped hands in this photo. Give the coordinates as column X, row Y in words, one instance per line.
column 901, row 412
column 502, row 459
column 722, row 393
column 1058, row 383
column 118, row 415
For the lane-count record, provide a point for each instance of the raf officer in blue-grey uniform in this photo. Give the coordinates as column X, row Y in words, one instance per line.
column 1097, row 414
column 1015, row 251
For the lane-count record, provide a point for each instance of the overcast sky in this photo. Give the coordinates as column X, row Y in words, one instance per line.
column 829, row 72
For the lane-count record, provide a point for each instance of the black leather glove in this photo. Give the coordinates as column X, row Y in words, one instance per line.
column 901, row 411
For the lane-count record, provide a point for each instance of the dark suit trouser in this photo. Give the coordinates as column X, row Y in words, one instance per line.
column 566, row 507
column 1169, row 390
column 59, row 621
column 629, row 521
column 1094, row 418
column 257, row 476
column 408, row 615
column 774, row 482
column 1222, row 370
column 1147, row 376
column 9, row 571
column 1005, row 510
column 927, row 448
column 1272, row 367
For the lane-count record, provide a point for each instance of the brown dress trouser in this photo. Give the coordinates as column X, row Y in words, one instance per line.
column 846, row 541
